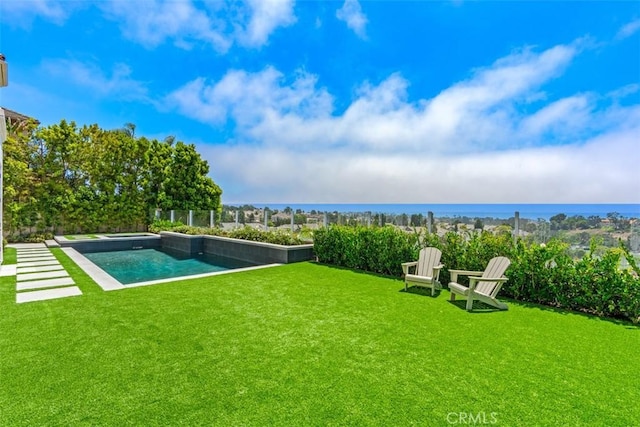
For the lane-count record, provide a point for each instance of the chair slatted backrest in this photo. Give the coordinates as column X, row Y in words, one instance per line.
column 496, row 268
column 429, row 258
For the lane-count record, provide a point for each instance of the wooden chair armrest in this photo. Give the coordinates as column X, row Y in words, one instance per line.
column 436, row 272
column 489, row 279
column 454, row 274
column 407, row 265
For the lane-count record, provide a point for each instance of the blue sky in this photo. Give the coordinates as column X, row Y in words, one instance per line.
column 352, row 102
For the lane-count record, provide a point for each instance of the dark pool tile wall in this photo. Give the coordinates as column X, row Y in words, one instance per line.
column 183, row 243
column 256, row 252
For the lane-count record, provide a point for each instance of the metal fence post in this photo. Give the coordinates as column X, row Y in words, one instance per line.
column 516, row 228
column 173, row 215
column 430, row 222
column 212, row 219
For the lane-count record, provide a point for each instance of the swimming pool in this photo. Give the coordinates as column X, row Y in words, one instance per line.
column 144, row 265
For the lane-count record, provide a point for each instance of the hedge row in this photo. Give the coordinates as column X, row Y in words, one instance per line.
column 365, row 248
column 544, row 274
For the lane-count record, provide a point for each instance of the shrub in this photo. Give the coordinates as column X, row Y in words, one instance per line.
column 376, row 249
column 38, row 237
column 163, row 225
column 246, row 233
column 277, row 237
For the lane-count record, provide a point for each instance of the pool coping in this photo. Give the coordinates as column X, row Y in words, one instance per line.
column 109, row 283
column 103, row 236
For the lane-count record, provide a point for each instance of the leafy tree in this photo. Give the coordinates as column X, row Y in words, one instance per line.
column 557, row 221
column 417, row 220
column 65, row 178
column 188, row 186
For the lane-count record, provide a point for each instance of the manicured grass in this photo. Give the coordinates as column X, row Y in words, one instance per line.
column 10, row 256
column 80, row 236
column 305, row 344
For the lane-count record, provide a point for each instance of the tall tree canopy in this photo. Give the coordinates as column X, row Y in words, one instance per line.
column 70, row 179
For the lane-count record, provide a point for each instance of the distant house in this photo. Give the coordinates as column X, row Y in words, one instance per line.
column 281, row 216
column 16, row 121
column 252, row 215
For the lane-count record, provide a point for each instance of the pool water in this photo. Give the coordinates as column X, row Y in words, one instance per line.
column 142, row 265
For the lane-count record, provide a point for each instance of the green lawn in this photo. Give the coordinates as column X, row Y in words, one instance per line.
column 305, row 344
column 80, row 236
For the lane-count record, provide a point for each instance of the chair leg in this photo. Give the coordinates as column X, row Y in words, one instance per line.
column 453, row 296
column 433, row 289
column 469, row 303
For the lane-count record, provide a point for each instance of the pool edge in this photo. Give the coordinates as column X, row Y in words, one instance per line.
column 101, row 277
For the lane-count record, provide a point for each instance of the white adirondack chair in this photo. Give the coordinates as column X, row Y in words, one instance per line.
column 483, row 285
column 424, row 272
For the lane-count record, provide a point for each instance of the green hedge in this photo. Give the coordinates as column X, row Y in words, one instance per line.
column 544, row 274
column 380, row 250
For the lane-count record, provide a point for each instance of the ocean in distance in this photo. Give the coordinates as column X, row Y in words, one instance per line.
column 530, row 211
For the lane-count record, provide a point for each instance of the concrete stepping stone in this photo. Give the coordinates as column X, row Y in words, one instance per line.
column 42, row 275
column 48, row 294
column 52, row 243
column 46, row 283
column 27, row 245
column 7, row 270
column 33, row 251
column 37, row 269
column 36, row 258
column 29, row 257
column 38, row 263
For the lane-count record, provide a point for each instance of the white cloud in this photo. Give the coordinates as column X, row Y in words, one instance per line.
column 601, row 170
column 625, row 91
column 250, row 99
column 265, row 17
column 22, row 13
column 628, row 30
column 118, row 84
column 152, row 22
column 185, row 22
column 489, row 138
column 351, row 13
column 566, row 116
column 473, row 114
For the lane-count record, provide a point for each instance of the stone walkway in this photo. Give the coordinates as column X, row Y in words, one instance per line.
column 39, row 275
